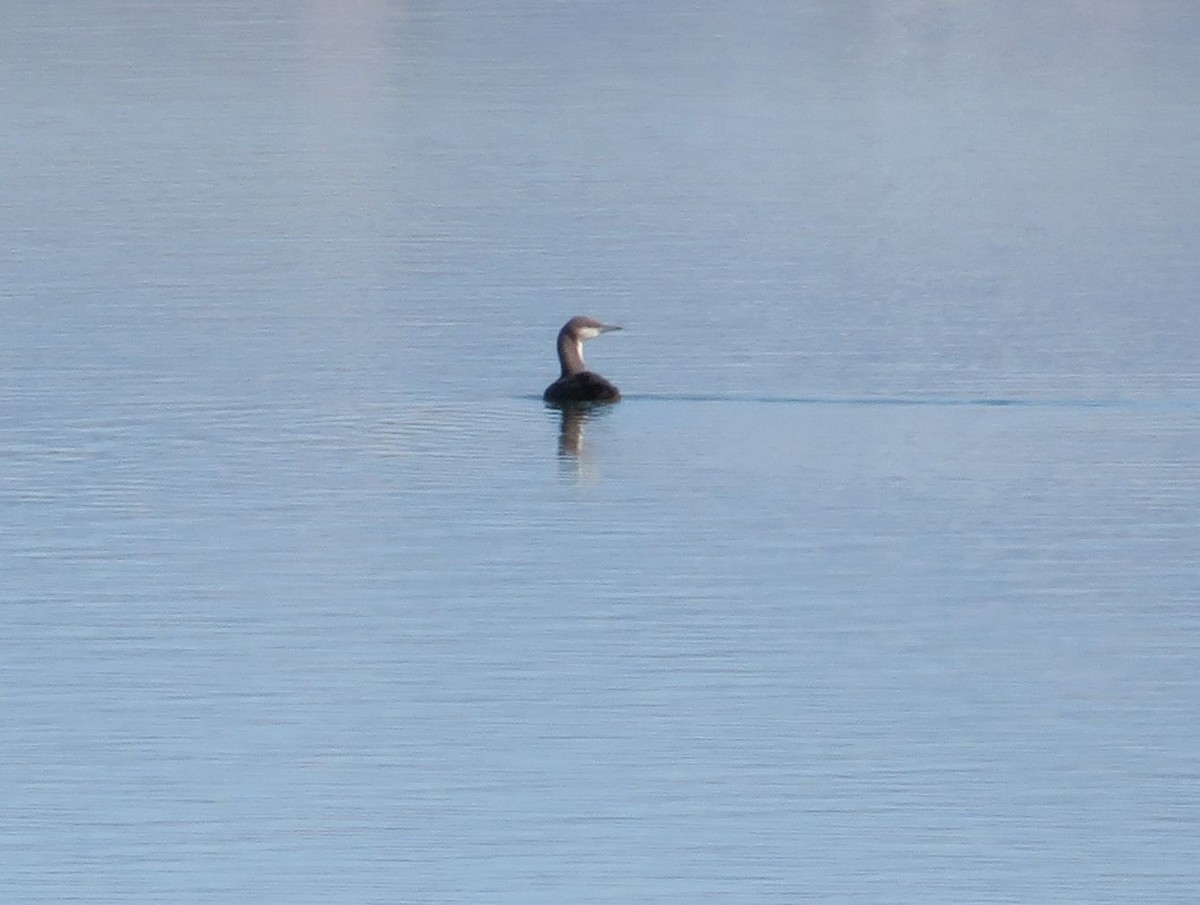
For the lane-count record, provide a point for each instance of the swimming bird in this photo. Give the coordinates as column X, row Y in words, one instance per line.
column 577, row 384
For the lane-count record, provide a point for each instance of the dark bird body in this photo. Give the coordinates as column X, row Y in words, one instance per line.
column 577, row 383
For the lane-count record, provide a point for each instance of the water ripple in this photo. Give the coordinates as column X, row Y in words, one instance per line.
column 1141, row 405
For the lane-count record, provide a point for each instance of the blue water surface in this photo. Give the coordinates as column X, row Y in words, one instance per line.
column 880, row 585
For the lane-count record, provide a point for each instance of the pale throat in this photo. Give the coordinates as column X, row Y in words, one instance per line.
column 570, row 355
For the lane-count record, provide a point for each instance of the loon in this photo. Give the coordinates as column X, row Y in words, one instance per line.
column 577, row 384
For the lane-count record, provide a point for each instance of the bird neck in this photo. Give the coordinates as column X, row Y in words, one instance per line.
column 570, row 354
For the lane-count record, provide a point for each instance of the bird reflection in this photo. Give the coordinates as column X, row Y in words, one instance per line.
column 573, row 419
column 570, row 430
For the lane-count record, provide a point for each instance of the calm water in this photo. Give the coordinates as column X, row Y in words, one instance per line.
column 881, row 585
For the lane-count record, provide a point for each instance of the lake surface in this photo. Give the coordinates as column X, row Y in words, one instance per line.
column 882, row 584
